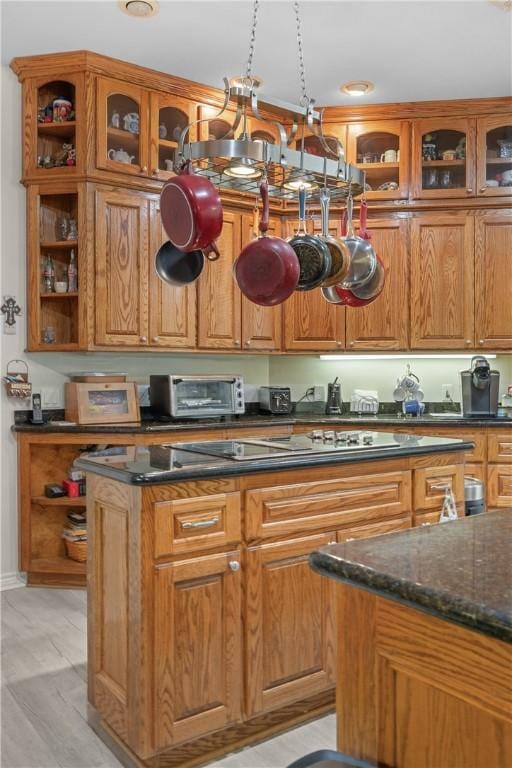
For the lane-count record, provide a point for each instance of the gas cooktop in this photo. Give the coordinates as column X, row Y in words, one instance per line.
column 316, row 442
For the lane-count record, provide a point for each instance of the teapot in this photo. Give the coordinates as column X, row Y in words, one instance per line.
column 120, row 156
column 131, row 122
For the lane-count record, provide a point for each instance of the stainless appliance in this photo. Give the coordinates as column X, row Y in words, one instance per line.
column 474, row 496
column 196, row 396
column 333, row 404
column 480, row 388
column 316, row 442
column 275, row 399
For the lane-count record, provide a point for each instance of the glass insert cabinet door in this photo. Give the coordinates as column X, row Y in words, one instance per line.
column 381, row 150
column 169, row 116
column 494, row 155
column 444, row 158
column 123, row 117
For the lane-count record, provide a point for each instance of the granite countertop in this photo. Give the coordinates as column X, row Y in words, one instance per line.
column 149, row 425
column 459, row 571
column 157, row 464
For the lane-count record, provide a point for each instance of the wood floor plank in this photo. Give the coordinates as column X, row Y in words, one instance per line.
column 43, row 678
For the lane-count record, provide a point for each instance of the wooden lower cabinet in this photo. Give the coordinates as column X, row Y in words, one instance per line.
column 197, row 652
column 499, row 481
column 289, row 624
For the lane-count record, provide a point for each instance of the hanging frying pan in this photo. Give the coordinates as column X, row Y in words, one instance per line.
column 191, row 210
column 267, row 270
column 178, row 268
column 340, row 254
column 312, row 252
column 363, row 261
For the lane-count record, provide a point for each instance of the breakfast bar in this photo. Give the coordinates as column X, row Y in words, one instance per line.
column 207, row 628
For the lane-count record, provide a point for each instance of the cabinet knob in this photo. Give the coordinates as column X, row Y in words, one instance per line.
column 237, row 342
column 480, row 341
column 468, row 341
column 339, row 344
column 332, row 542
column 234, row 565
column 351, row 344
column 155, row 338
column 144, row 169
column 144, row 338
column 154, row 171
column 469, row 190
column 482, row 189
column 248, row 343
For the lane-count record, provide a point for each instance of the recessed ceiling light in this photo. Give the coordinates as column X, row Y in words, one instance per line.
column 142, row 9
column 357, row 87
column 240, row 81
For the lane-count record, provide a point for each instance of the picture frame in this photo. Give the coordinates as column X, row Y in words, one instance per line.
column 102, row 403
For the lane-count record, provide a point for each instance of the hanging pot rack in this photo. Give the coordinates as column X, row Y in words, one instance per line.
column 286, row 168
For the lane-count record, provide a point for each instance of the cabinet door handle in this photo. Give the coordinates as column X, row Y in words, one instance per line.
column 234, row 565
column 199, row 523
column 444, row 488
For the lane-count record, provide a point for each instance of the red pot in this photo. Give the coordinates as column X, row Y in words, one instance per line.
column 191, row 211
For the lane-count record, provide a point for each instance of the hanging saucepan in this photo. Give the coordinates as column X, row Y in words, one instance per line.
column 267, row 270
column 312, row 252
column 363, row 261
column 178, row 268
column 373, row 287
column 367, row 293
column 340, row 254
column 191, row 211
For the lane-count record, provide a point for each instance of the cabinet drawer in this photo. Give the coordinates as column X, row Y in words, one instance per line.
column 475, row 470
column 202, row 522
column 499, row 485
column 500, row 447
column 376, row 529
column 326, row 504
column 429, row 486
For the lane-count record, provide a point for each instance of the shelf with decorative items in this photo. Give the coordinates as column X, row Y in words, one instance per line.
column 53, row 292
column 494, row 156
column 381, row 150
column 443, row 153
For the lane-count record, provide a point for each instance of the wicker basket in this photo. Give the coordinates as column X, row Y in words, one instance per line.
column 77, row 550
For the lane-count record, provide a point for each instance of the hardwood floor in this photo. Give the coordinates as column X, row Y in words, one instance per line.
column 43, row 678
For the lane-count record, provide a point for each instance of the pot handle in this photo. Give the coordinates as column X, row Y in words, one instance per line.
column 325, row 199
column 350, row 210
column 363, row 218
column 302, row 211
column 343, row 223
column 211, row 251
column 265, row 213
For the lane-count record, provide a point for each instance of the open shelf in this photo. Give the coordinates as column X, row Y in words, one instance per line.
column 442, row 163
column 53, row 244
column 55, row 295
column 499, row 160
column 57, row 565
column 60, row 501
column 127, row 137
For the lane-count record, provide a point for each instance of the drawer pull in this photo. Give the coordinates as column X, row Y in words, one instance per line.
column 200, row 523
column 445, row 488
column 234, row 565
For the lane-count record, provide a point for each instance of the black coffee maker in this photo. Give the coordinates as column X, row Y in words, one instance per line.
column 480, row 388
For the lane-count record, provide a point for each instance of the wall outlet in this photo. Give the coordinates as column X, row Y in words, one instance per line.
column 143, row 395
column 447, row 392
column 319, row 393
column 51, row 397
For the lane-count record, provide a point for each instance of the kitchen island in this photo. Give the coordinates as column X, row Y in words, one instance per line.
column 207, row 629
column 425, row 662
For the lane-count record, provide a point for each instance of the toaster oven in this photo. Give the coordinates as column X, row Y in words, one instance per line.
column 196, row 396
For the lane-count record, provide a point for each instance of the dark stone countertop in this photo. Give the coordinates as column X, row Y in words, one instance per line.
column 157, row 464
column 460, row 571
column 149, row 425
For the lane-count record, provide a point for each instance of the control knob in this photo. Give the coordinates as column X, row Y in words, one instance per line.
column 341, row 437
column 317, row 434
column 368, row 439
column 353, row 439
column 329, row 435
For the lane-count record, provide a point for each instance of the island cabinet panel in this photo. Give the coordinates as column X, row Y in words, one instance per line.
column 297, row 507
column 499, row 480
column 385, row 323
column 197, row 653
column 122, row 231
column 376, row 529
column 202, row 522
column 493, row 279
column 219, row 303
column 172, row 309
column 442, row 281
column 289, row 625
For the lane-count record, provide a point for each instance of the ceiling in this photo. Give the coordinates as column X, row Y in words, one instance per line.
column 411, row 50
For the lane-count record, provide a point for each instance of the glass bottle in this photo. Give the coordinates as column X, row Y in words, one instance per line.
column 72, row 273
column 48, row 275
column 72, row 230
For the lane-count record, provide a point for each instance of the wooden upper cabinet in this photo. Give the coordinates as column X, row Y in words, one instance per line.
column 384, row 324
column 219, row 302
column 46, row 128
column 122, row 231
column 169, row 115
column 211, row 126
column 381, row 149
column 442, row 281
column 197, row 647
column 122, row 127
column 443, row 158
column 261, row 326
column 172, row 309
column 310, row 323
column 494, row 155
column 289, row 625
column 493, row 279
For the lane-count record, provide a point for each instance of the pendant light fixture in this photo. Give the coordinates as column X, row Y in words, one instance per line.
column 238, row 163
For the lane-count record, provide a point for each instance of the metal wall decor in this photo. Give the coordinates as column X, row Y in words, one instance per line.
column 10, row 308
column 238, row 163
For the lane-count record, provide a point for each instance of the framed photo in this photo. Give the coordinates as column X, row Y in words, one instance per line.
column 102, row 403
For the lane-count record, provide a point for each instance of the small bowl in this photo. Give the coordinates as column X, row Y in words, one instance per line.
column 61, row 287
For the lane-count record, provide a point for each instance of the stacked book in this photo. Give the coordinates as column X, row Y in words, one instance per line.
column 76, row 528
